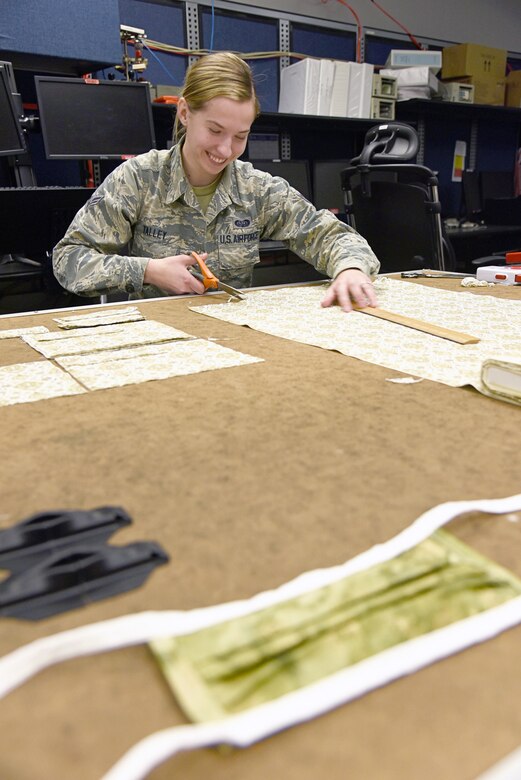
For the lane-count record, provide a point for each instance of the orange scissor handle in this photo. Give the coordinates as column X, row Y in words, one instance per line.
column 209, row 280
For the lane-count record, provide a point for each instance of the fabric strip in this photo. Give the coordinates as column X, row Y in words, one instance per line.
column 78, row 341
column 104, row 317
column 118, row 367
column 15, row 332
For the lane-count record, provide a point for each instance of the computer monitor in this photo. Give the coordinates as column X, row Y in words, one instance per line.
column 34, row 219
column 471, row 192
column 496, row 184
column 327, row 185
column 11, row 134
column 296, row 173
column 88, row 119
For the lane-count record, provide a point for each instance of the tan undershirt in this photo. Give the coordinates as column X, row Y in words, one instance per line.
column 205, row 194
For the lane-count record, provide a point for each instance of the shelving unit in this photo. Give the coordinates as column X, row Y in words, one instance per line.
column 421, row 112
column 492, row 135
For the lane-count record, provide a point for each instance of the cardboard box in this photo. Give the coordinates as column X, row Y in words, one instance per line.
column 513, row 96
column 472, row 59
column 487, row 90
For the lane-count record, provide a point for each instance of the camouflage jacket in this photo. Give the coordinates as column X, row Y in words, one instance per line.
column 146, row 208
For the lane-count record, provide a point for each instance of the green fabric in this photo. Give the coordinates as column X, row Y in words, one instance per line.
column 253, row 659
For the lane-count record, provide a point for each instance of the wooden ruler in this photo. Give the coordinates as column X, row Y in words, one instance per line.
column 426, row 327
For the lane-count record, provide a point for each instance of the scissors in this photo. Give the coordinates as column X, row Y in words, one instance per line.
column 428, row 274
column 211, row 282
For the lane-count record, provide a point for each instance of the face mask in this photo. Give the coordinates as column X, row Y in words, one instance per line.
column 251, row 660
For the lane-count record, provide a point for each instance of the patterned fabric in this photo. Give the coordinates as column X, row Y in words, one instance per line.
column 250, row 660
column 24, row 382
column 15, row 332
column 117, row 367
column 296, row 314
column 77, row 341
column 147, row 208
column 101, row 317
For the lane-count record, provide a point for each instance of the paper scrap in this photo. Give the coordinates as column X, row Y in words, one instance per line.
column 404, row 380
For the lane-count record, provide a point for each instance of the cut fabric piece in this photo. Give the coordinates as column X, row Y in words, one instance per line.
column 502, row 380
column 24, row 382
column 242, row 663
column 15, row 332
column 101, row 337
column 101, row 317
column 117, row 367
column 295, row 313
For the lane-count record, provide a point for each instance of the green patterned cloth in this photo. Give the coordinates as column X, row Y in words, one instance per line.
column 247, row 661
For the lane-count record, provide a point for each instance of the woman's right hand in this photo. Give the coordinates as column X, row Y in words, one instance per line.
column 171, row 274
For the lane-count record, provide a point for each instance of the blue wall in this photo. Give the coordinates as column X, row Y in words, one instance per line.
column 60, row 31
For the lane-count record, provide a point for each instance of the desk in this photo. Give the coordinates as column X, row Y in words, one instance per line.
column 19, row 282
column 471, row 243
column 248, row 477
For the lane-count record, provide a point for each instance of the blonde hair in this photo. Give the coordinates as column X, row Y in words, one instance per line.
column 221, row 74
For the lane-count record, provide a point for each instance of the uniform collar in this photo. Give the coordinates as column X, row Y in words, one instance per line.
column 227, row 191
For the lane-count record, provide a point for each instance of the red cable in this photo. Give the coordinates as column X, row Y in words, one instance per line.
column 359, row 30
column 411, row 36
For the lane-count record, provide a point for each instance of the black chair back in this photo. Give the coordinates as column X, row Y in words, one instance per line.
column 394, row 204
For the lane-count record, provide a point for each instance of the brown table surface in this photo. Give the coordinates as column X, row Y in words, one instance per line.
column 247, row 477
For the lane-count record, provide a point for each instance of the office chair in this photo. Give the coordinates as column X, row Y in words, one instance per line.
column 394, row 204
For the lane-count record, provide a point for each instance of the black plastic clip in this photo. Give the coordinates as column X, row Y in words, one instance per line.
column 41, row 534
column 77, row 576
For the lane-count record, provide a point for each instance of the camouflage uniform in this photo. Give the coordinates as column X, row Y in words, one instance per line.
column 146, row 208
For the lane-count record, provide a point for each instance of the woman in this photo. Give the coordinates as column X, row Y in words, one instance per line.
column 161, row 205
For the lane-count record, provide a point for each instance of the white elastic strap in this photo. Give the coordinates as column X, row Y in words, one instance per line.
column 508, row 768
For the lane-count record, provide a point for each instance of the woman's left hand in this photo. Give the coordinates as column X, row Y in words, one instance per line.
column 351, row 287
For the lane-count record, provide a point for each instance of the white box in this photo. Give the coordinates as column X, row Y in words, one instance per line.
column 411, row 58
column 325, row 87
column 360, row 89
column 413, row 77
column 500, row 274
column 299, row 87
column 340, row 89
